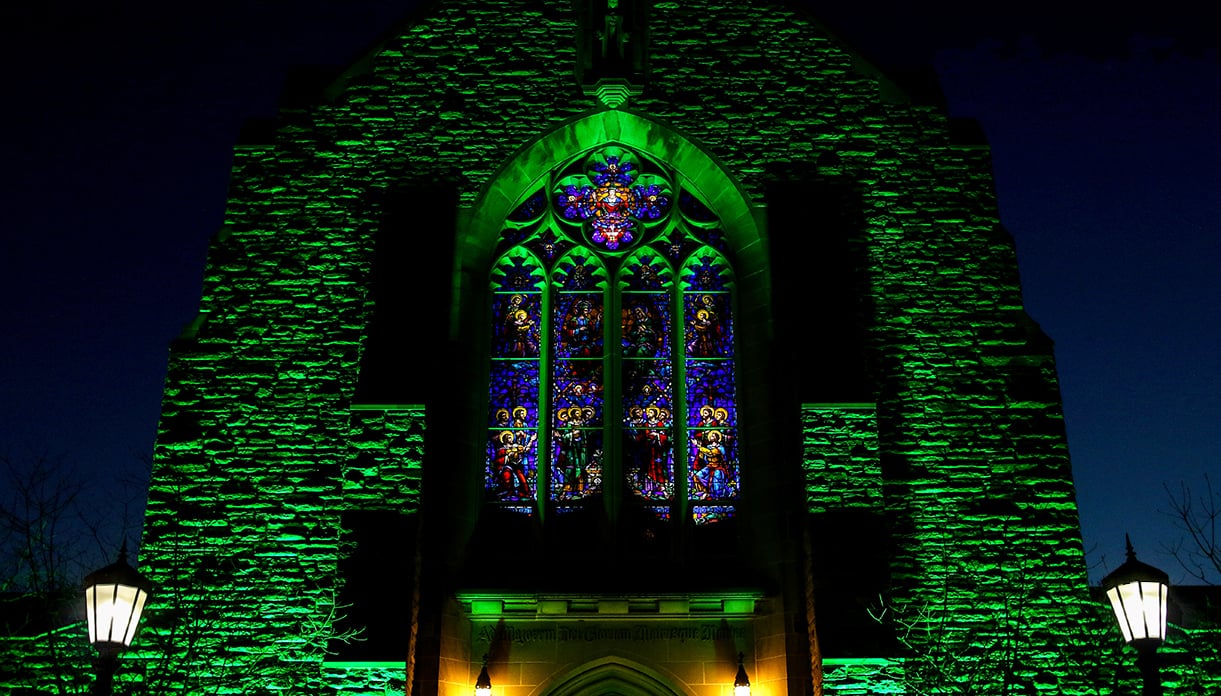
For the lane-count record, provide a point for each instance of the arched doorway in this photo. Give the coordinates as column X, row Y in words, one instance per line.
column 612, row 676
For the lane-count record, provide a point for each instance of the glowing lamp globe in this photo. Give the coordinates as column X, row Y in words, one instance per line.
column 114, row 600
column 1137, row 592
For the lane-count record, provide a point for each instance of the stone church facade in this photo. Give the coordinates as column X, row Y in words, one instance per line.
column 602, row 343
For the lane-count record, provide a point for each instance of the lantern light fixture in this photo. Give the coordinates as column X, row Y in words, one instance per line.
column 483, row 684
column 1137, row 592
column 741, row 682
column 114, row 600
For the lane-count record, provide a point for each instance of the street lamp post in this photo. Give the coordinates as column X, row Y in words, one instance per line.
column 114, row 599
column 1137, row 592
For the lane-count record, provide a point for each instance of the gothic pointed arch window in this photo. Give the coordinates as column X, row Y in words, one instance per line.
column 613, row 366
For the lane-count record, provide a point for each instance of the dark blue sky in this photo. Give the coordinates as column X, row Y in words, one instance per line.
column 1106, row 138
column 1109, row 176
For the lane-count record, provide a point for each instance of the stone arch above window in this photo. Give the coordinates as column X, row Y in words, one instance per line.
column 703, row 173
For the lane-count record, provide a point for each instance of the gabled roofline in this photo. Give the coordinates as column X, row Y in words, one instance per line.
column 306, row 83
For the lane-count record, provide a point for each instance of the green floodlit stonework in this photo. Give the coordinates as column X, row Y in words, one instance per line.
column 907, row 496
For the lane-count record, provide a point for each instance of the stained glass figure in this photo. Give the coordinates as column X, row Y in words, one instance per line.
column 578, row 325
column 576, row 453
column 612, row 197
column 648, row 427
column 516, row 332
column 645, row 325
column 714, row 473
column 650, row 452
column 711, row 416
column 708, row 331
column 512, row 465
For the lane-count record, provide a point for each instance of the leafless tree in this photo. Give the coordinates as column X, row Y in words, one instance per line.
column 49, row 539
column 1197, row 513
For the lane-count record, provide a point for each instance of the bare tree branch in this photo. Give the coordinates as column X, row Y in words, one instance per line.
column 1198, row 516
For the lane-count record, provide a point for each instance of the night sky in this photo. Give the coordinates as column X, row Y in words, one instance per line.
column 1106, row 140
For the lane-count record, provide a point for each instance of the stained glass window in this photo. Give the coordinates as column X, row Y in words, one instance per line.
column 648, row 373
column 612, row 346
column 513, row 405
column 711, row 404
column 577, row 389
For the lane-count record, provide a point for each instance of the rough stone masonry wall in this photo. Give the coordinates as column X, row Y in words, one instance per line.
column 840, row 451
column 57, row 661
column 254, row 443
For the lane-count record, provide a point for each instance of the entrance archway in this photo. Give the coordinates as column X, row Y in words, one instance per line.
column 612, row 676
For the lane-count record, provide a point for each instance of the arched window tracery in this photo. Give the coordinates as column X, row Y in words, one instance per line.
column 612, row 346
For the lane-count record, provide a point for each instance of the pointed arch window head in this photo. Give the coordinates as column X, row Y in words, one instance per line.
column 612, row 347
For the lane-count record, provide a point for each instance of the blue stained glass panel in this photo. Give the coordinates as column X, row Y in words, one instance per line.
column 710, row 514
column 694, row 209
column 576, row 456
column 578, row 384
column 649, row 455
column 646, row 271
column 706, row 272
column 513, row 397
column 517, row 271
column 578, row 325
column 710, row 394
column 515, row 330
column 662, row 512
column 530, row 209
column 579, row 271
column 645, row 325
column 708, row 327
column 648, row 422
column 646, row 384
column 713, row 465
column 549, row 246
column 512, row 464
